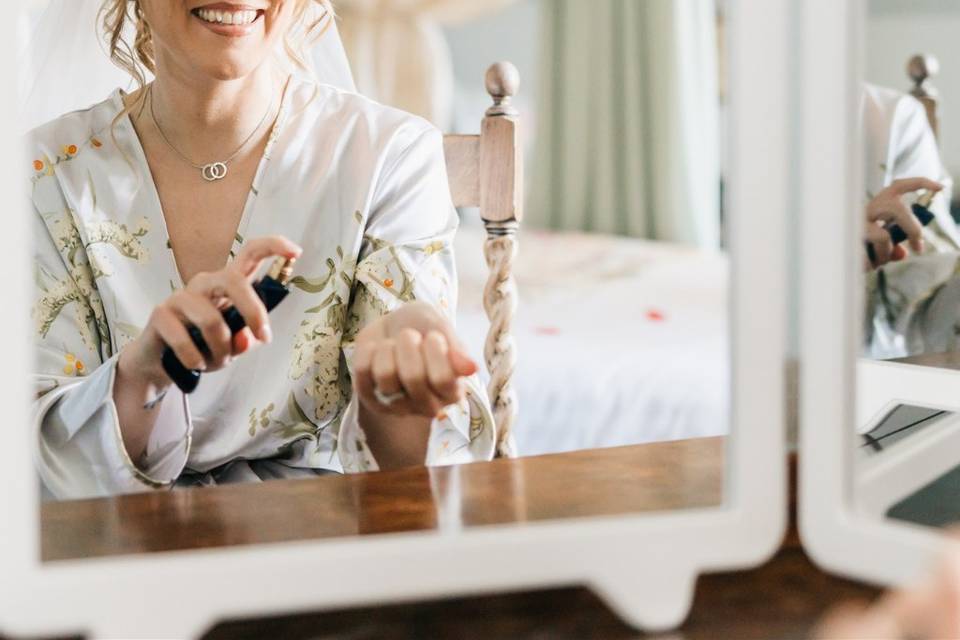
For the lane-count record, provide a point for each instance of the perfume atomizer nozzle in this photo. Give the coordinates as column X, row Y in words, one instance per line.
column 927, row 199
column 282, row 270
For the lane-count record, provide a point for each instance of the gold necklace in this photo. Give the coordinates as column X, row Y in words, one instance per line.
column 212, row 171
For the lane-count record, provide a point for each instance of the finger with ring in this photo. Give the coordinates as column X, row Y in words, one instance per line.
column 388, row 399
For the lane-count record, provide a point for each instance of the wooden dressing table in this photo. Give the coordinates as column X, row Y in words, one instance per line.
column 665, row 476
column 782, row 599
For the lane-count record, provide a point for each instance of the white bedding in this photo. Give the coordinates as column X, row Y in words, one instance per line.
column 619, row 341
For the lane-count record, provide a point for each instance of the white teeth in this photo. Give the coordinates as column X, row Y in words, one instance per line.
column 235, row 18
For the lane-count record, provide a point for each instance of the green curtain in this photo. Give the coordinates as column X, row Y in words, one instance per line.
column 628, row 120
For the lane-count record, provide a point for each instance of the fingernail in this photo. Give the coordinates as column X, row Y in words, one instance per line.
column 266, row 334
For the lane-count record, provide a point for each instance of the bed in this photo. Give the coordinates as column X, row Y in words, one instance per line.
column 619, row 341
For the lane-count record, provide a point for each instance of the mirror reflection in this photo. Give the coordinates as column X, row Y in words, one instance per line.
column 283, row 247
column 908, row 458
column 907, row 468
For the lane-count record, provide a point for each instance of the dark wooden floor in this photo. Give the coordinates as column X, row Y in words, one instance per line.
column 782, row 600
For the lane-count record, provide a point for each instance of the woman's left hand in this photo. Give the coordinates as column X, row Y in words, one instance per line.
column 410, row 363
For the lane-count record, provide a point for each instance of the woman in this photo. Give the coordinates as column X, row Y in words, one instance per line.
column 157, row 208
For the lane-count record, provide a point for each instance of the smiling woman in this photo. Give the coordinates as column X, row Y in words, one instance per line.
column 302, row 27
column 153, row 213
column 358, row 367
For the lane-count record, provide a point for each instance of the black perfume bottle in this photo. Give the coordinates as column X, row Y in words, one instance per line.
column 921, row 210
column 271, row 289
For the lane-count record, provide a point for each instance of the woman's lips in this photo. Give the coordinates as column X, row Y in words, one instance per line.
column 233, row 22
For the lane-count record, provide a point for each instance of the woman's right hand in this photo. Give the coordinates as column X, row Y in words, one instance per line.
column 888, row 208
column 201, row 304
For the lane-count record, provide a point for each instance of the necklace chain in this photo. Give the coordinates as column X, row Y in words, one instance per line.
column 216, row 170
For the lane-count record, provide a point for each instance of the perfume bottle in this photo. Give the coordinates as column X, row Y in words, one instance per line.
column 271, row 289
column 921, row 210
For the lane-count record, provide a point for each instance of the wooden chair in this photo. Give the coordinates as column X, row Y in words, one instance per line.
column 486, row 171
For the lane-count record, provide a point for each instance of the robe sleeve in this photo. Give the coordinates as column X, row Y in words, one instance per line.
column 406, row 255
column 79, row 448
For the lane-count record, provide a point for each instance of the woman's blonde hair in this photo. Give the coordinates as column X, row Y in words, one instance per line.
column 136, row 55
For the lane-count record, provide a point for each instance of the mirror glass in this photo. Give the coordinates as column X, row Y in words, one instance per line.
column 907, row 447
column 902, row 436
column 403, row 387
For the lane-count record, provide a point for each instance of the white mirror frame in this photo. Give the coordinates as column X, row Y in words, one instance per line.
column 881, row 481
column 644, row 566
column 838, row 536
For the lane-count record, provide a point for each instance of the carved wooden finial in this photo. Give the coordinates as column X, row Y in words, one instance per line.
column 503, row 83
column 921, row 68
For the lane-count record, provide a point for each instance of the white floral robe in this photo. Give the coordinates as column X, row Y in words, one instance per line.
column 361, row 187
column 912, row 306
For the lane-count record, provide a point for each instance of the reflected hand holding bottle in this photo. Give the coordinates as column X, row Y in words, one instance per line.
column 887, row 209
column 142, row 380
column 201, row 304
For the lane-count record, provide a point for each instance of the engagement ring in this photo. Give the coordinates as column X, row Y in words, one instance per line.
column 388, row 399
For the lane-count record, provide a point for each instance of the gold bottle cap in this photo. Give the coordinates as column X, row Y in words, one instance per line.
column 927, row 199
column 282, row 269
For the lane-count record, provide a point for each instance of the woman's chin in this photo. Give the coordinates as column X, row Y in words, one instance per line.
column 227, row 70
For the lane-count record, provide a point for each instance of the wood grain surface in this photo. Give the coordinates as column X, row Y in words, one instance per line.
column 683, row 474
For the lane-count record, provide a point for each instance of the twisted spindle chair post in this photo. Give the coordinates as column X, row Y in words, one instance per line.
column 487, row 171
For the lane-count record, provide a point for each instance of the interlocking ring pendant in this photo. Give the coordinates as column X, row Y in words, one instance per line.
column 214, row 171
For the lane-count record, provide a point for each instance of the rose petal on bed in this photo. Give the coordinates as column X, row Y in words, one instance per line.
column 546, row 331
column 654, row 315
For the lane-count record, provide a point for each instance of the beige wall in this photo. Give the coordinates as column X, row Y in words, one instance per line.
column 510, row 34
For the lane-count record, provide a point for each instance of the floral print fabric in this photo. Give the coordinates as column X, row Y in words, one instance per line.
column 361, row 187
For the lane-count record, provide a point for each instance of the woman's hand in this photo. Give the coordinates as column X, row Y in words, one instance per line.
column 412, row 359
column 140, row 378
column 888, row 208
column 201, row 304
column 930, row 609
